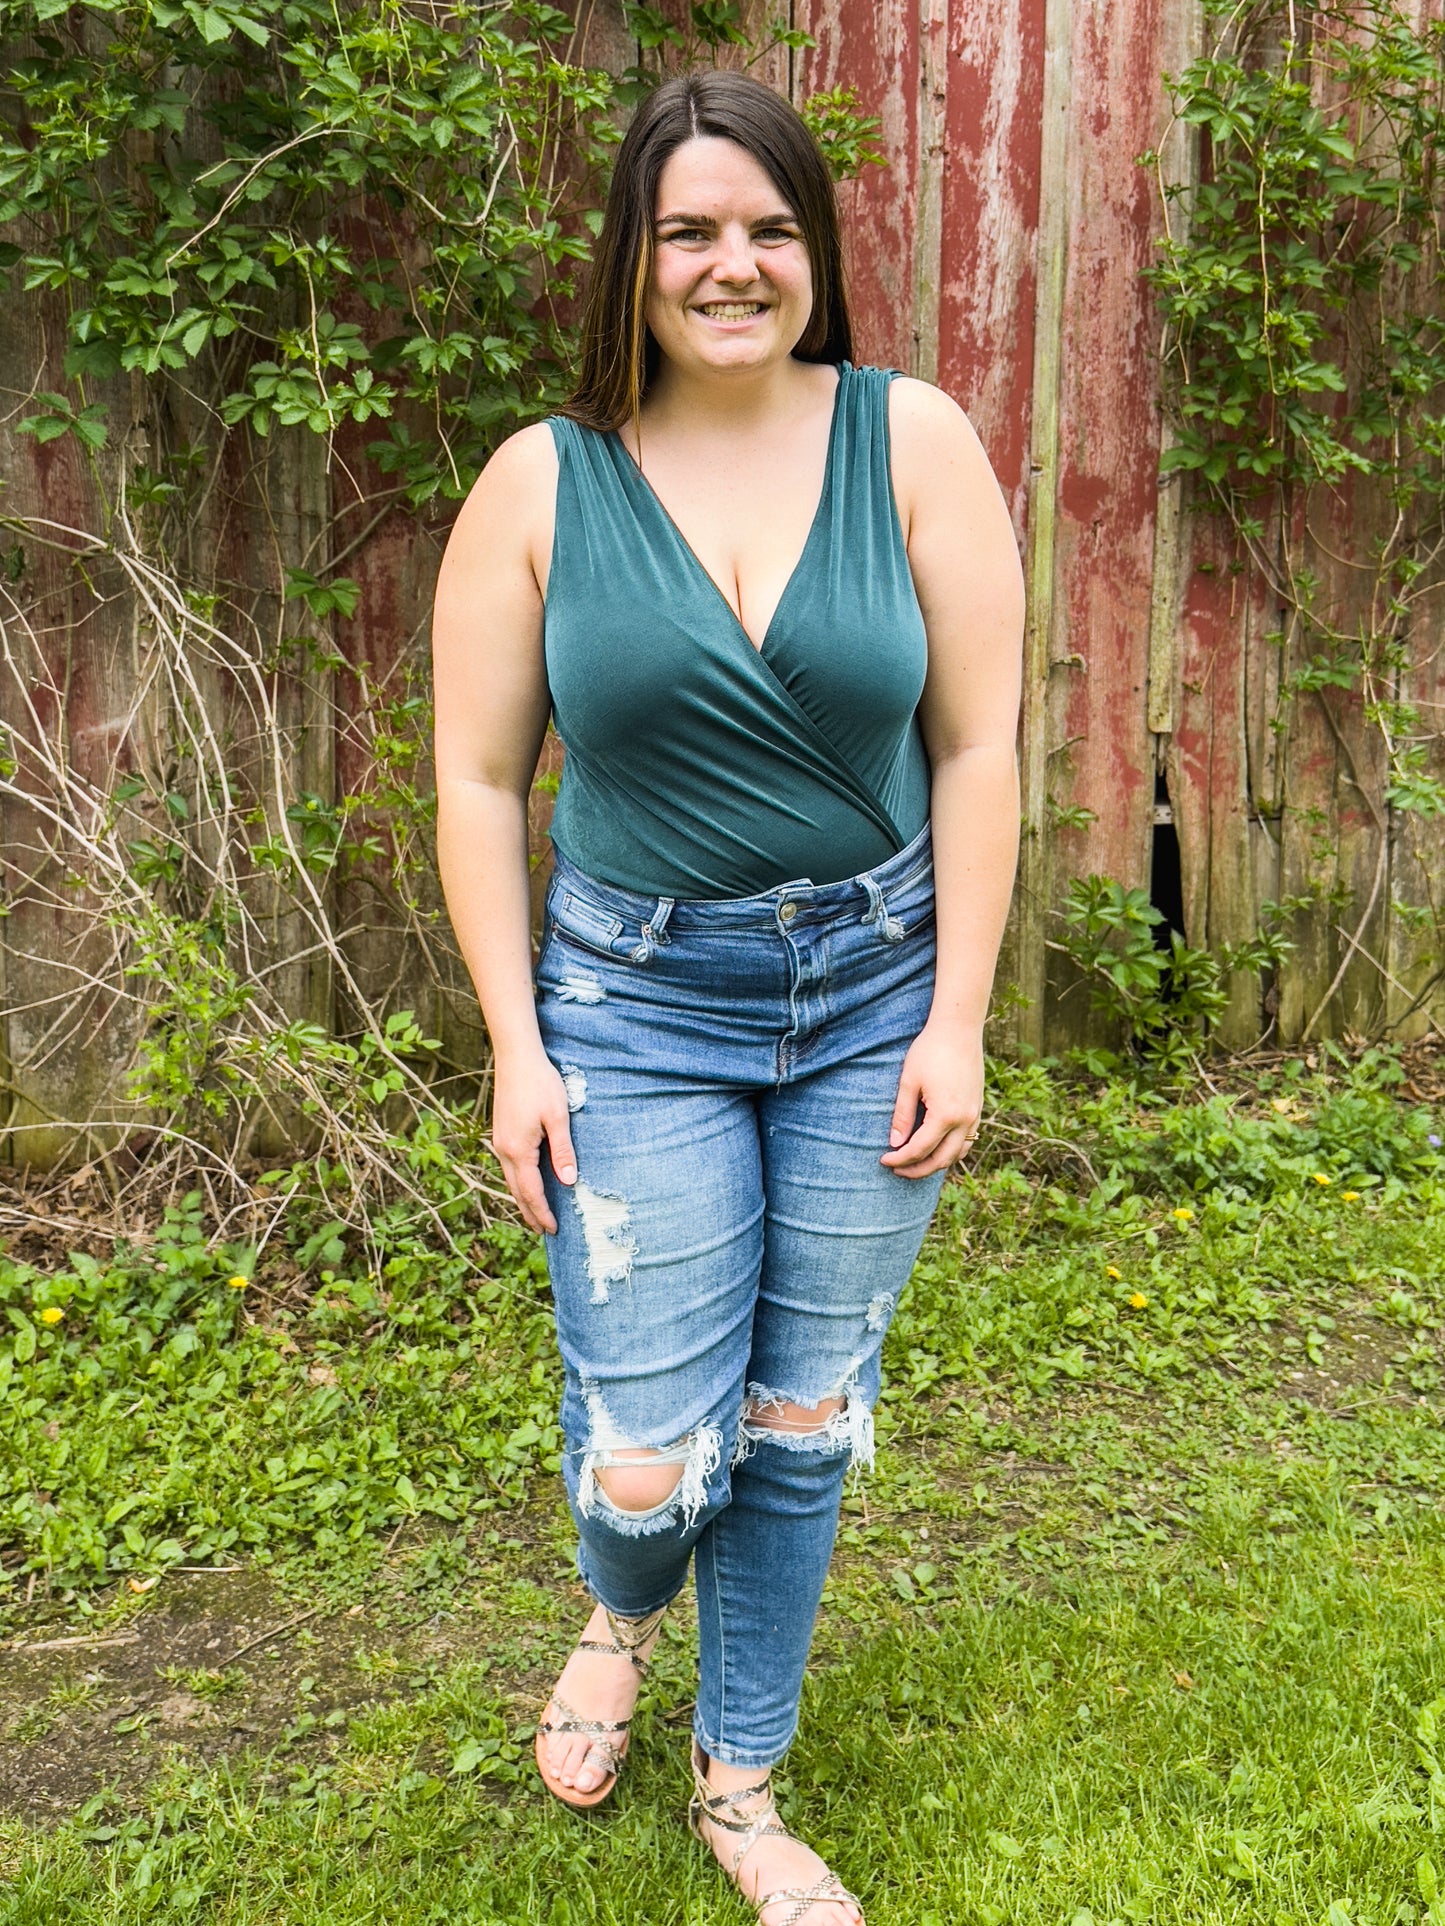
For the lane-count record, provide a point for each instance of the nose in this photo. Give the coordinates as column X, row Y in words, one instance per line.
column 735, row 261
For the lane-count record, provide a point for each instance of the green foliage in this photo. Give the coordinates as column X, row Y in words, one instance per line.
column 165, row 1406
column 1298, row 219
column 707, row 31
column 1136, row 1621
column 1218, row 1214
column 312, row 243
column 845, row 135
column 1165, row 998
column 334, row 218
column 292, row 1399
column 340, row 218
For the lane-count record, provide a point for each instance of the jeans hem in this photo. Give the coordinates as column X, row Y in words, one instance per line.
column 751, row 1758
column 627, row 1611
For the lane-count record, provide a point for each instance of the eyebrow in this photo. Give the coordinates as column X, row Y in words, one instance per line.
column 706, row 220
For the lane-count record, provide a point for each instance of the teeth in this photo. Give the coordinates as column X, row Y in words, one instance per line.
column 732, row 310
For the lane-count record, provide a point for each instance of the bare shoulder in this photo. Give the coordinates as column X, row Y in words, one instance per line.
column 942, row 478
column 519, row 479
column 927, row 426
column 505, row 524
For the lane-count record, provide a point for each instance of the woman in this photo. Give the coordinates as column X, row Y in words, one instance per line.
column 774, row 604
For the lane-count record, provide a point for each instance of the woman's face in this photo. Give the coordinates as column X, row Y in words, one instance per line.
column 732, row 287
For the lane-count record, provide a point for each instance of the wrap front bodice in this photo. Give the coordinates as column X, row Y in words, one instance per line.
column 698, row 765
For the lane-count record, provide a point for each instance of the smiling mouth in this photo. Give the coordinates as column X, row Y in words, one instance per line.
column 732, row 310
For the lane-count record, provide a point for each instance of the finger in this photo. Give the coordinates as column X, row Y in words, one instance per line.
column 926, row 1138
column 905, row 1110
column 559, row 1147
column 954, row 1145
column 524, row 1180
column 929, row 1138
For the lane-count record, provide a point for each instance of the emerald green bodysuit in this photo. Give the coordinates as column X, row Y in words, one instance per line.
column 698, row 765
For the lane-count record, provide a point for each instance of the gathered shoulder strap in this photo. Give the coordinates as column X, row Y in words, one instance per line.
column 864, row 515
column 564, row 435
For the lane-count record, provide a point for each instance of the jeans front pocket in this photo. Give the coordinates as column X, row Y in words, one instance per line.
column 586, row 924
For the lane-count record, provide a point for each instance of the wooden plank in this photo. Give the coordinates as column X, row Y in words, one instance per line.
column 932, row 151
column 388, row 948
column 873, row 47
column 1413, row 963
column 989, row 289
column 1207, row 760
column 1033, row 896
column 1097, row 752
column 67, row 1018
column 602, row 39
column 1177, row 166
column 1341, row 987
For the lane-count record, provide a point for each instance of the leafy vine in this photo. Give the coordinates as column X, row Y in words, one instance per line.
column 306, row 266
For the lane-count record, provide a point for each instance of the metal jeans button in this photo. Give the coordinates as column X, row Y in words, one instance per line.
column 788, row 912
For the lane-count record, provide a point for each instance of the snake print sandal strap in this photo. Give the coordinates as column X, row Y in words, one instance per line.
column 828, row 1887
column 627, row 1635
column 727, row 1810
column 608, row 1737
column 606, row 1734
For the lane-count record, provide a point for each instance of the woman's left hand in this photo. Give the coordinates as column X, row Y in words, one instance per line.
column 943, row 1071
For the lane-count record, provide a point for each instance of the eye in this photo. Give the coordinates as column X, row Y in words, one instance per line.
column 685, row 234
column 778, row 234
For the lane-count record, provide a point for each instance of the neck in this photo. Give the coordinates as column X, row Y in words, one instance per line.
column 730, row 401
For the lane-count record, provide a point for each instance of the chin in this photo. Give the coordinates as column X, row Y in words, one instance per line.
column 737, row 351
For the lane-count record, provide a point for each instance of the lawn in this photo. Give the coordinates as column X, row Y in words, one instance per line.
column 1138, row 1620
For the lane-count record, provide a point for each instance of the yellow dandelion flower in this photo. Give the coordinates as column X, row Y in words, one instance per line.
column 52, row 1314
column 238, row 1283
column 1181, row 1214
column 1138, row 1301
column 1320, row 1178
column 1112, row 1270
column 1350, row 1196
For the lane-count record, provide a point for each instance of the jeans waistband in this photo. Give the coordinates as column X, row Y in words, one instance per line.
column 910, row 867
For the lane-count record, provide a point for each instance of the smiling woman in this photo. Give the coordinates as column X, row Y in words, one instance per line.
column 773, row 602
column 654, row 225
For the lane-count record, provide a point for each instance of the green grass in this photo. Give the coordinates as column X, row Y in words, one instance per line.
column 1138, row 1622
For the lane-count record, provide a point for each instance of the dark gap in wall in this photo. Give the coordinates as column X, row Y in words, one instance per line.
column 1166, row 878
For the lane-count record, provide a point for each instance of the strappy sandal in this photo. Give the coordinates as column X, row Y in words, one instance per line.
column 725, row 1809
column 609, row 1737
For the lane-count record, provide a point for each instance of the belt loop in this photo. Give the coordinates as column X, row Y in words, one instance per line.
column 890, row 928
column 654, row 931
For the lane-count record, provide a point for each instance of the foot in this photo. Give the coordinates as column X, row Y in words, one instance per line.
column 598, row 1686
column 775, row 1862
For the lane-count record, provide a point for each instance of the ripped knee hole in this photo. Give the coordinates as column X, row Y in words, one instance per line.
column 639, row 1481
column 781, row 1415
column 645, row 1486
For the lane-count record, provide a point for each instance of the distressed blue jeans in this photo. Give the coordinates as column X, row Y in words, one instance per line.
column 732, row 1243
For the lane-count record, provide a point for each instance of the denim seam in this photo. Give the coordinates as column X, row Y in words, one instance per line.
column 722, row 1641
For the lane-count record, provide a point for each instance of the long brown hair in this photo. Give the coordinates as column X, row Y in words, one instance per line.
column 619, row 357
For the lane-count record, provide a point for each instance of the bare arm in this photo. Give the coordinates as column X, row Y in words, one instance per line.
column 491, row 716
column 966, row 570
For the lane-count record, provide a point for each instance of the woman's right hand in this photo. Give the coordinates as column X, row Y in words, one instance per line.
column 529, row 1103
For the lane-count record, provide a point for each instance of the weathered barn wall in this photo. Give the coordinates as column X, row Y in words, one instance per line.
column 999, row 253
column 1002, row 256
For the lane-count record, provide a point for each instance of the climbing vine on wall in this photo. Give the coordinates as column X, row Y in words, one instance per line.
column 267, row 244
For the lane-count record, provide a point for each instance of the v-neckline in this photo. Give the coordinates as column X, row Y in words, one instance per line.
column 758, row 649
